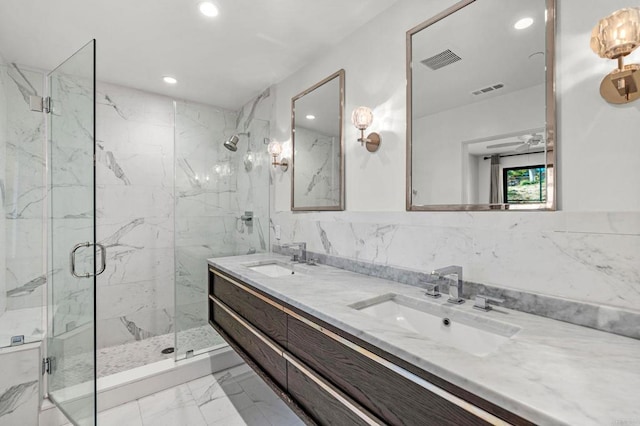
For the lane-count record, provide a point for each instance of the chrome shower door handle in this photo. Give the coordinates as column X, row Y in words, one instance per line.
column 103, row 259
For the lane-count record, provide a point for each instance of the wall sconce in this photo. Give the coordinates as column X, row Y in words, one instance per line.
column 275, row 149
column 362, row 118
column 614, row 37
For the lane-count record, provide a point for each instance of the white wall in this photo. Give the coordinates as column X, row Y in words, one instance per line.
column 589, row 250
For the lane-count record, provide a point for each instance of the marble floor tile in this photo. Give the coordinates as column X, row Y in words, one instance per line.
column 250, row 416
column 126, row 414
column 257, row 389
column 233, row 397
column 222, row 407
column 278, row 413
column 171, row 407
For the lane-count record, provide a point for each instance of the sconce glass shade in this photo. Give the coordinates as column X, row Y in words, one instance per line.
column 362, row 117
column 618, row 34
column 274, row 148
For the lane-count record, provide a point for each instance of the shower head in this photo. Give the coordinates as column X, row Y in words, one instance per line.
column 232, row 143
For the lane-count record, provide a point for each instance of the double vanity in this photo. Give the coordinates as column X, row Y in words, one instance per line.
column 347, row 348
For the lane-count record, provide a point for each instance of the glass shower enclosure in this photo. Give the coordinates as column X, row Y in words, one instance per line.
column 71, row 355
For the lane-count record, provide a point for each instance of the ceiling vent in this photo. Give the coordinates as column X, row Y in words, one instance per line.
column 488, row 89
column 441, row 60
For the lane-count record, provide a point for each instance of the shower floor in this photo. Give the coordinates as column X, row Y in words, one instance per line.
column 116, row 359
column 78, row 369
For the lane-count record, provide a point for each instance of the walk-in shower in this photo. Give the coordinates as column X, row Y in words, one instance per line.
column 166, row 199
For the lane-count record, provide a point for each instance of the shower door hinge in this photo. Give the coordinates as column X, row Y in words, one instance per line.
column 48, row 365
column 40, row 104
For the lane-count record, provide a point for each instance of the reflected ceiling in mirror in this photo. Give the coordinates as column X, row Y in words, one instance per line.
column 481, row 108
column 317, row 135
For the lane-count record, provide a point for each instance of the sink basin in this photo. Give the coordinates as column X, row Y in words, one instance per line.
column 471, row 333
column 273, row 269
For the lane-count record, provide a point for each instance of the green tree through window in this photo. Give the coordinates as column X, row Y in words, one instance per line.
column 524, row 185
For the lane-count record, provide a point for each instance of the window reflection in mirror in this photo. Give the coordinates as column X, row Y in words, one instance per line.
column 480, row 88
column 318, row 163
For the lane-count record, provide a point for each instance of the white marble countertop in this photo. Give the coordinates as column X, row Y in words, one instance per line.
column 550, row 372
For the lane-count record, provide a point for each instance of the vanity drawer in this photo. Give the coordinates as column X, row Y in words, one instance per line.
column 323, row 402
column 259, row 310
column 262, row 351
column 387, row 394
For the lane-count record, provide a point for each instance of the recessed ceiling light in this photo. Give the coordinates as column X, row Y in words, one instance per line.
column 208, row 9
column 169, row 80
column 311, row 117
column 523, row 23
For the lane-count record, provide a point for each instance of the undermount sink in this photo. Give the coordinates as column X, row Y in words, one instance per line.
column 273, row 268
column 471, row 333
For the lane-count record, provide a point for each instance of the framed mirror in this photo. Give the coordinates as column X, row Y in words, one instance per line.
column 481, row 108
column 318, row 148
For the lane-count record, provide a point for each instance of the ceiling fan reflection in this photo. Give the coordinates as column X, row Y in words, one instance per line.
column 524, row 143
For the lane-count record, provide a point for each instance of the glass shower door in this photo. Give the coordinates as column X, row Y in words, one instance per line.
column 71, row 358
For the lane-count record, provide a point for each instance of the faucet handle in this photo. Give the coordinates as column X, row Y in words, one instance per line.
column 433, row 290
column 483, row 302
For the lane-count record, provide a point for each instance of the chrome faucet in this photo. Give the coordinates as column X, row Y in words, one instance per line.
column 483, row 302
column 455, row 288
column 301, row 256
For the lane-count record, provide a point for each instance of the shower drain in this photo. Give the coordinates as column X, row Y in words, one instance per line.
column 167, row 351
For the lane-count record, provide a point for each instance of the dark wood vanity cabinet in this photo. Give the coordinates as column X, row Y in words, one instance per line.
column 387, row 394
column 267, row 317
column 316, row 401
column 329, row 377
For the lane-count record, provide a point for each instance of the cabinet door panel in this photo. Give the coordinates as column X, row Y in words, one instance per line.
column 386, row 394
column 267, row 318
column 263, row 355
column 320, row 405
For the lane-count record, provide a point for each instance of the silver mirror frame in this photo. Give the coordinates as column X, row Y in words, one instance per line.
column 550, row 131
column 340, row 74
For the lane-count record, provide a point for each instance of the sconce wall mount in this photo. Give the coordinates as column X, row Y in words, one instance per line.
column 362, row 117
column 615, row 37
column 275, row 149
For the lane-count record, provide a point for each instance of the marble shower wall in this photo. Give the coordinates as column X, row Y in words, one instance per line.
column 3, row 153
column 22, row 190
column 138, row 222
column 317, row 181
column 134, row 190
column 213, row 188
column 20, row 385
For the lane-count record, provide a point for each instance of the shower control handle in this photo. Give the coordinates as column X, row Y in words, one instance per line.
column 103, row 259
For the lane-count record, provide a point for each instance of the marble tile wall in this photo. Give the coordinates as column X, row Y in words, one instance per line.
column 134, row 203
column 138, row 222
column 589, row 257
column 71, row 197
column 20, row 385
column 3, row 153
column 214, row 187
column 22, row 191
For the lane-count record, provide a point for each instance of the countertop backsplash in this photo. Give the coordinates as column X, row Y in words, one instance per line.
column 600, row 317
